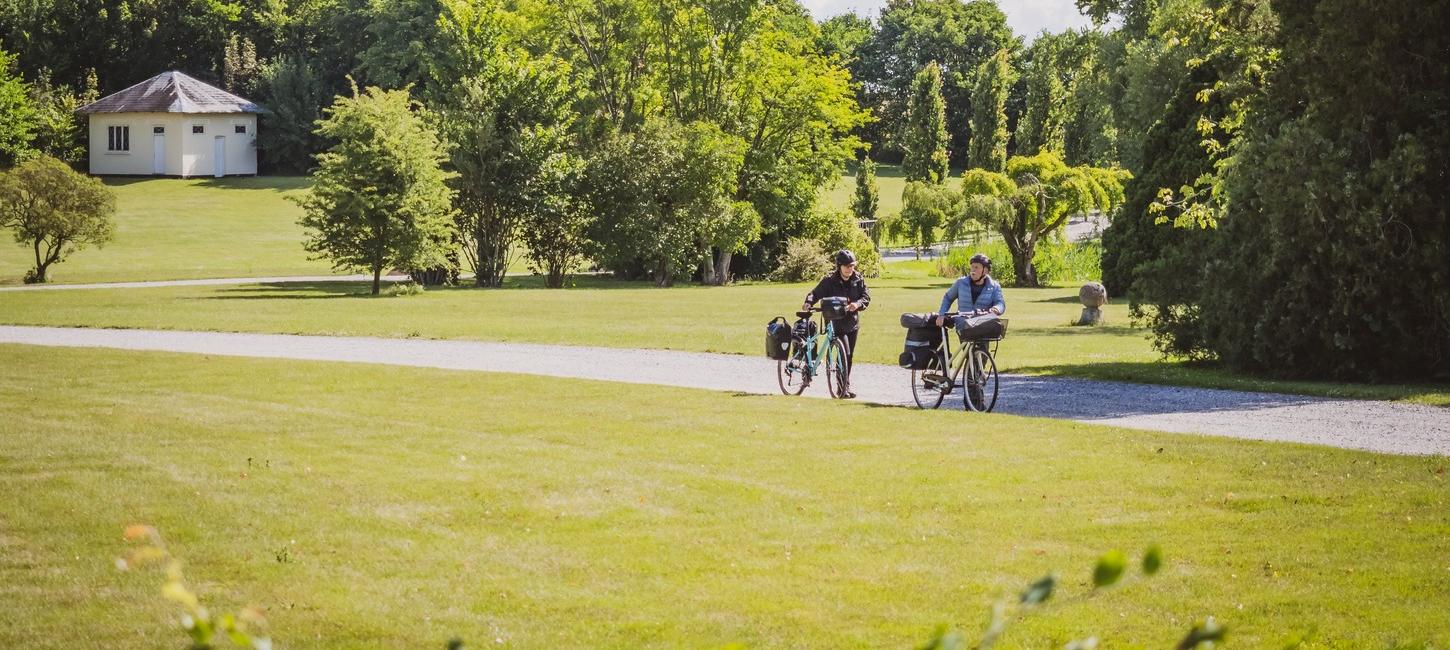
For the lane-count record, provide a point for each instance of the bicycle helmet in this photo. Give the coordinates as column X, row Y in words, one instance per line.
column 844, row 257
column 985, row 261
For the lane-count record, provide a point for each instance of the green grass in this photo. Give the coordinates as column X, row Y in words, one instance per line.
column 609, row 313
column 890, row 183
column 416, row 504
column 172, row 229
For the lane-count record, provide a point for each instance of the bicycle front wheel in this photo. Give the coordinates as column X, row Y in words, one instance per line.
column 930, row 386
column 838, row 370
column 979, row 390
column 791, row 373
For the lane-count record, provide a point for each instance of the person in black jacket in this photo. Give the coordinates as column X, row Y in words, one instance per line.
column 846, row 283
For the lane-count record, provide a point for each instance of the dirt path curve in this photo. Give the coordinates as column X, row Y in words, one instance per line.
column 1385, row 427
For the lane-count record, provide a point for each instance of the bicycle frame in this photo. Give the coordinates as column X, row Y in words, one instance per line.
column 816, row 343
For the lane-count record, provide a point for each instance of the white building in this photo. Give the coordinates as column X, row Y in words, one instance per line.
column 173, row 125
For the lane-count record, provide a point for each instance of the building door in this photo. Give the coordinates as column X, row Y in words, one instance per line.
column 219, row 156
column 158, row 154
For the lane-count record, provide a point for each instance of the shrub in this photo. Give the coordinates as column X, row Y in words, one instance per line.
column 1056, row 262
column 838, row 230
column 804, row 260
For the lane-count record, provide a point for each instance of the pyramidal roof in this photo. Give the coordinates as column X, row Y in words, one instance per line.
column 172, row 92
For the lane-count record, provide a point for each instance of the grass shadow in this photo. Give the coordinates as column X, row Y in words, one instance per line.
column 295, row 291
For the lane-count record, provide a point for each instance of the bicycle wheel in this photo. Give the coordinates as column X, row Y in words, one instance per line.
column 838, row 370
column 979, row 391
column 930, row 386
column 791, row 373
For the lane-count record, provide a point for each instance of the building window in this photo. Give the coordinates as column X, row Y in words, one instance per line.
column 158, row 129
column 118, row 138
column 198, row 129
column 240, row 128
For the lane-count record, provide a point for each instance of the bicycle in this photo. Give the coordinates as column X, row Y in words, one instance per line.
column 975, row 365
column 795, row 372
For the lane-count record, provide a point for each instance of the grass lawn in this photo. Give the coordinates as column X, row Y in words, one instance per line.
column 608, row 313
column 172, row 229
column 372, row 506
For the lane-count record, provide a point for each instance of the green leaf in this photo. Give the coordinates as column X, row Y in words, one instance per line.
column 1109, row 569
column 1209, row 630
column 1039, row 591
column 1152, row 559
column 947, row 639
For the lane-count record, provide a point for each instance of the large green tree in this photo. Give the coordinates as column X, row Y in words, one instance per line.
column 380, row 197
column 507, row 114
column 291, row 90
column 958, row 35
column 654, row 192
column 865, row 201
column 54, row 211
column 1033, row 199
column 17, row 112
column 925, row 136
column 989, row 113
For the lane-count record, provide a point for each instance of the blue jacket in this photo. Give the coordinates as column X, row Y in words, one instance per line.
column 961, row 292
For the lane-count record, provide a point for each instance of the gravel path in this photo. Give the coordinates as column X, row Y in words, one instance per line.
column 1354, row 424
column 204, row 282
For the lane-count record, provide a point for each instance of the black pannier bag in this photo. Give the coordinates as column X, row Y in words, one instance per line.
column 923, row 338
column 777, row 338
column 834, row 307
column 804, row 329
column 973, row 328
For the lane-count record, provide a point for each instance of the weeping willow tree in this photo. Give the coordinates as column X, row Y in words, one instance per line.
column 1033, row 199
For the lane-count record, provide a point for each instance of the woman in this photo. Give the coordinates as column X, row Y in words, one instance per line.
column 844, row 282
column 975, row 292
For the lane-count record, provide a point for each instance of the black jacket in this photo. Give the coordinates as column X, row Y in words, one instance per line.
column 853, row 290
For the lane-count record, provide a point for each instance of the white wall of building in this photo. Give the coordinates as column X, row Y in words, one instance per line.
column 187, row 153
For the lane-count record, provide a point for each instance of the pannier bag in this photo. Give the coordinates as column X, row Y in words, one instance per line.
column 777, row 338
column 804, row 329
column 923, row 338
column 834, row 307
column 986, row 326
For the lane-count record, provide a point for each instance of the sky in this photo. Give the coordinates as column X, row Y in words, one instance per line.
column 1027, row 17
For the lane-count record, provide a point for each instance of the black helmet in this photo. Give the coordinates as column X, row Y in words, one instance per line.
column 979, row 258
column 844, row 257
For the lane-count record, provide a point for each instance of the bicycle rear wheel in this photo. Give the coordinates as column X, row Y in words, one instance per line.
column 930, row 386
column 979, row 391
column 838, row 370
column 791, row 373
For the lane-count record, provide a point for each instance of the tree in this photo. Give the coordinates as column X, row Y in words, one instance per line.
column 989, row 113
column 653, row 192
column 291, row 90
column 925, row 208
column 1034, row 199
column 57, row 133
column 240, row 68
column 1043, row 124
column 507, row 114
column 925, row 139
column 379, row 198
column 17, row 113
column 959, row 35
column 554, row 229
column 55, row 211
column 864, row 202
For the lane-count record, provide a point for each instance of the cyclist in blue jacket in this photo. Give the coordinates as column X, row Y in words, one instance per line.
column 977, row 291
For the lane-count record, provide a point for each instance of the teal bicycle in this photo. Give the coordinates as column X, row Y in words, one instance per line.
column 814, row 351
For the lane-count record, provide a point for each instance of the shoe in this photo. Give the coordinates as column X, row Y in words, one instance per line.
column 848, row 395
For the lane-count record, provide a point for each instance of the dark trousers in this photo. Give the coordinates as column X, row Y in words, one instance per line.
column 849, row 338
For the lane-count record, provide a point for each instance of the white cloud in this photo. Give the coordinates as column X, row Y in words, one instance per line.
column 1026, row 17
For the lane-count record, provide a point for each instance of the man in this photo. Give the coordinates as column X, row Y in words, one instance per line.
column 975, row 292
column 846, row 283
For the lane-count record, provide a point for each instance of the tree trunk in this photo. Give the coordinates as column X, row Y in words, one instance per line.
column 555, row 278
column 1022, row 254
column 722, row 268
column 377, row 278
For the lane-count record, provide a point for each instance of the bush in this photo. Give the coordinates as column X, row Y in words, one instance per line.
column 1057, row 262
column 838, row 230
column 804, row 260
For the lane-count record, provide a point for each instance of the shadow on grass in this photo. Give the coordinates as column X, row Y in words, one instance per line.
column 296, row 291
column 1213, row 375
column 1074, row 300
column 1073, row 330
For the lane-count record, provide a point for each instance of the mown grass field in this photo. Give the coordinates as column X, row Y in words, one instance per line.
column 603, row 312
column 172, row 229
column 371, row 506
